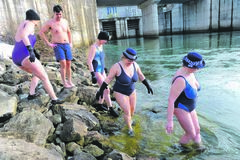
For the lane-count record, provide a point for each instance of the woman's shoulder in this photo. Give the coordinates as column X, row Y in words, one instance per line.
column 136, row 65
column 117, row 64
column 177, row 78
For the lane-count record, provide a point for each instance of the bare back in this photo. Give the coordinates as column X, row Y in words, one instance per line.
column 25, row 28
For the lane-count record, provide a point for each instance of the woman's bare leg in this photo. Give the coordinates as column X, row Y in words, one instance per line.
column 124, row 103
column 185, row 120
column 33, row 85
column 37, row 69
column 197, row 138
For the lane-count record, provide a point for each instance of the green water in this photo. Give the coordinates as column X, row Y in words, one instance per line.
column 218, row 103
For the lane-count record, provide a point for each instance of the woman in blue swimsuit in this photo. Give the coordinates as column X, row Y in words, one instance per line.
column 24, row 57
column 182, row 99
column 96, row 66
column 126, row 72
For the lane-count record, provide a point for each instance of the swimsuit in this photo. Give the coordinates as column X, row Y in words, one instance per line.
column 63, row 51
column 188, row 97
column 20, row 51
column 125, row 84
column 98, row 61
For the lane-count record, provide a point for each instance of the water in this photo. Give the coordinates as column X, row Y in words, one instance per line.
column 218, row 103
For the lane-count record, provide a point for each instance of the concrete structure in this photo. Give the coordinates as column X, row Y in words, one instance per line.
column 81, row 15
column 199, row 16
column 160, row 17
column 121, row 22
column 150, row 18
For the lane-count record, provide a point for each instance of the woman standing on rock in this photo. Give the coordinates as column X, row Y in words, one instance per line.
column 126, row 72
column 97, row 68
column 182, row 99
column 24, row 57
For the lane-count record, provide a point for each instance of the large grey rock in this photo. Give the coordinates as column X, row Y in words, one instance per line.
column 79, row 113
column 9, row 89
column 8, row 105
column 93, row 150
column 19, row 149
column 39, row 103
column 84, row 156
column 15, row 76
column 87, row 94
column 73, row 147
column 94, row 137
column 73, row 130
column 68, row 95
column 31, row 126
column 118, row 155
column 82, row 115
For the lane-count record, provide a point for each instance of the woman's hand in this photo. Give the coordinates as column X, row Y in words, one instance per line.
column 169, row 127
column 52, row 45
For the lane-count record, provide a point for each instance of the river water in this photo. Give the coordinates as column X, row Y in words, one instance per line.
column 218, row 102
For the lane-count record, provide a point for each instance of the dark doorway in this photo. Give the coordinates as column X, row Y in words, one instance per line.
column 110, row 27
column 133, row 25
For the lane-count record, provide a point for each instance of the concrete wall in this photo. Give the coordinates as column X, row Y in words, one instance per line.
column 81, row 15
column 236, row 15
column 201, row 16
column 196, row 16
column 177, row 23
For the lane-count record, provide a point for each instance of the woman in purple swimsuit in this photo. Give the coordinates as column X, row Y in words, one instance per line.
column 182, row 99
column 24, row 57
column 126, row 72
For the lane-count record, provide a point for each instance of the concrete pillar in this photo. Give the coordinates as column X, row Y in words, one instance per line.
column 126, row 27
column 122, row 28
column 100, row 26
column 140, row 27
column 118, row 31
column 150, row 18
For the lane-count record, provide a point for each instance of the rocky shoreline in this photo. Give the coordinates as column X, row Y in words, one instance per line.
column 34, row 129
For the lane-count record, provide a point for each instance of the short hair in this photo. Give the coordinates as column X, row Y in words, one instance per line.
column 57, row 8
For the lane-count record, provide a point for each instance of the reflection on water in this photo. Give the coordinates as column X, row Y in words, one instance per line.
column 218, row 104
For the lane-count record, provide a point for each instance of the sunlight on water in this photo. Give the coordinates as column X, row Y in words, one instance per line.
column 218, row 102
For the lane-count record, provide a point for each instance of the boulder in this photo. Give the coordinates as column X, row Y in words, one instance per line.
column 31, row 125
column 8, row 106
column 20, row 149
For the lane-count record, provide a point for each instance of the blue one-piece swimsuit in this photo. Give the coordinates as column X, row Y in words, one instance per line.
column 187, row 99
column 20, row 51
column 98, row 61
column 125, row 84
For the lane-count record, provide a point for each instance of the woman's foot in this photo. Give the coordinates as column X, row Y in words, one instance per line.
column 131, row 133
column 71, row 84
column 66, row 85
column 101, row 107
column 113, row 112
column 30, row 97
column 57, row 101
column 133, row 123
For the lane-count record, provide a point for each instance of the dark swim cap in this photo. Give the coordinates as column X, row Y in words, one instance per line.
column 32, row 15
column 57, row 8
column 103, row 35
column 193, row 60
